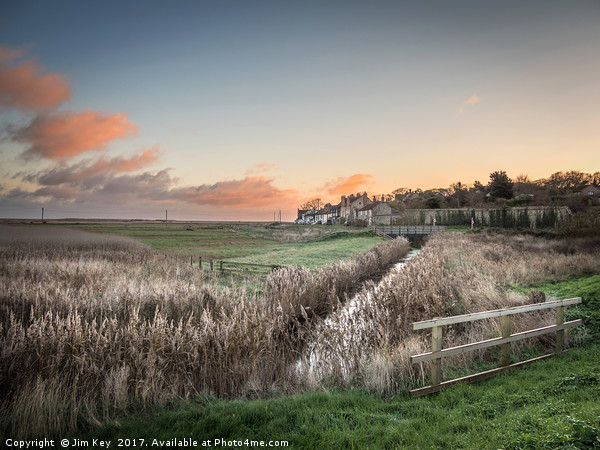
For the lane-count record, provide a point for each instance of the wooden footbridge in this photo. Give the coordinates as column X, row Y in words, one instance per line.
column 393, row 231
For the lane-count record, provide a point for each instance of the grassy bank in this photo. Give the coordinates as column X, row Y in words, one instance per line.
column 553, row 403
column 550, row 404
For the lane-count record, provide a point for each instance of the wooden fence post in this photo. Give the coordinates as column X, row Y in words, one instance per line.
column 211, row 264
column 505, row 324
column 221, row 266
column 200, row 262
column 191, row 260
column 436, row 346
column 560, row 334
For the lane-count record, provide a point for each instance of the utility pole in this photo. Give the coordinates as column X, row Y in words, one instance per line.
column 166, row 213
column 42, row 214
column 279, row 217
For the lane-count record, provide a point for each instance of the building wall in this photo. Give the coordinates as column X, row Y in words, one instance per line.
column 357, row 204
column 384, row 214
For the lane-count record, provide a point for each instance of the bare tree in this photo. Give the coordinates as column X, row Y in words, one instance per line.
column 313, row 203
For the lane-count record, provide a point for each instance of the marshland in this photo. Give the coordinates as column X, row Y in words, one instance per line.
column 101, row 321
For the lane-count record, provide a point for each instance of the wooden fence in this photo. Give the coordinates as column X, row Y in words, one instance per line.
column 232, row 266
column 409, row 231
column 437, row 352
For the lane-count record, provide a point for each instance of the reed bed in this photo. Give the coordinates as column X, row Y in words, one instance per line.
column 90, row 327
column 370, row 343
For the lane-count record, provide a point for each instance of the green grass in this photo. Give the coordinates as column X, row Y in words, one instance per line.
column 554, row 403
column 216, row 241
column 307, row 246
column 588, row 288
column 549, row 404
column 313, row 254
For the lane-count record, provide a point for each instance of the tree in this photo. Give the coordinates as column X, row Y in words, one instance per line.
column 433, row 203
column 500, row 186
column 400, row 191
column 313, row 203
column 524, row 185
column 566, row 182
column 459, row 193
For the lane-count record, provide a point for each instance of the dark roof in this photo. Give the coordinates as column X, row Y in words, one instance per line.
column 369, row 206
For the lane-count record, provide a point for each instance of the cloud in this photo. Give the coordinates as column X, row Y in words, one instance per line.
column 87, row 171
column 473, row 99
column 349, row 185
column 67, row 134
column 100, row 183
column 133, row 190
column 252, row 192
column 261, row 168
column 24, row 85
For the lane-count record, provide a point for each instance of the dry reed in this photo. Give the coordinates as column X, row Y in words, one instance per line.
column 90, row 325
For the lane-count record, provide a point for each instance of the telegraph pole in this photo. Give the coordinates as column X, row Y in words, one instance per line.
column 42, row 214
column 166, row 213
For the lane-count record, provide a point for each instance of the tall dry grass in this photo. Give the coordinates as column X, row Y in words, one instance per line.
column 371, row 342
column 91, row 326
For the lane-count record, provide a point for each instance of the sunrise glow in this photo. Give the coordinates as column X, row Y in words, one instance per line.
column 234, row 111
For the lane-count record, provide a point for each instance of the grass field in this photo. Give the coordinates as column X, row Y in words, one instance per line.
column 308, row 246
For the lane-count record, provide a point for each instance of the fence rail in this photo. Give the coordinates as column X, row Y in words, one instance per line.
column 409, row 231
column 233, row 266
column 437, row 352
column 382, row 234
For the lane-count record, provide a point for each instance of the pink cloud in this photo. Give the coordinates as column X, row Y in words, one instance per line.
column 66, row 134
column 261, row 168
column 349, row 185
column 251, row 192
column 24, row 85
column 473, row 99
column 100, row 182
column 85, row 170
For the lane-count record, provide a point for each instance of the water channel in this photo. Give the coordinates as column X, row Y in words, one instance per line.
column 347, row 323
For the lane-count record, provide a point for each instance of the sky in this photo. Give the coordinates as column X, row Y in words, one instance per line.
column 228, row 110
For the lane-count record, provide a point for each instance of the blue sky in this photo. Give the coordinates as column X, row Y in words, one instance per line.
column 250, row 107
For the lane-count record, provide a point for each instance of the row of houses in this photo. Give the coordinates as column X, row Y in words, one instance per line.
column 350, row 208
column 359, row 207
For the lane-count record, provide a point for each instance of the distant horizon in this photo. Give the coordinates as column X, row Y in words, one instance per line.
column 235, row 111
column 288, row 216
